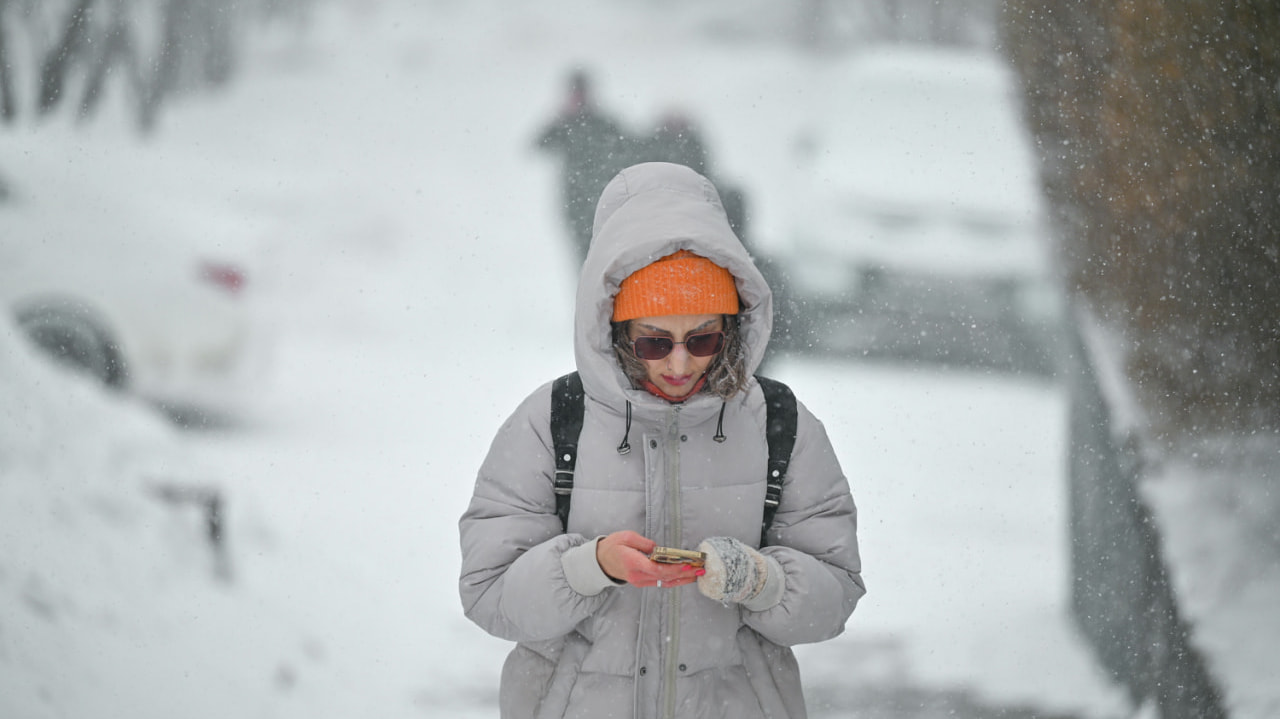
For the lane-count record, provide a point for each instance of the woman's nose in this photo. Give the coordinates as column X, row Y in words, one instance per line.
column 679, row 359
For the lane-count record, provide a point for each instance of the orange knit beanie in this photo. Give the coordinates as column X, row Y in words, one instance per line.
column 678, row 284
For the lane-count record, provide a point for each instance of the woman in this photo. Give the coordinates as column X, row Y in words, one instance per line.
column 672, row 318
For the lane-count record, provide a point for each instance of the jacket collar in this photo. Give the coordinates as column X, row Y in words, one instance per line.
column 655, row 391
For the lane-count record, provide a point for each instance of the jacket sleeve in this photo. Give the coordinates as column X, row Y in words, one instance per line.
column 814, row 538
column 513, row 582
column 555, row 136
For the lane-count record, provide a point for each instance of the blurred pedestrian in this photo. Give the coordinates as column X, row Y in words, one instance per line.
column 677, row 139
column 592, row 148
column 672, row 320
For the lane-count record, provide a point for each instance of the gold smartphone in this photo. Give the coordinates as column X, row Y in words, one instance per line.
column 669, row 555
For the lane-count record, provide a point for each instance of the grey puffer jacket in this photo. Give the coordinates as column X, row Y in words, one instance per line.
column 588, row 647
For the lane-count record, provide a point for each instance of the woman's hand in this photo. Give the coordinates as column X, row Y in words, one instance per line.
column 735, row 572
column 625, row 556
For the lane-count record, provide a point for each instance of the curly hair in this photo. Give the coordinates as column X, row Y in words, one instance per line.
column 726, row 375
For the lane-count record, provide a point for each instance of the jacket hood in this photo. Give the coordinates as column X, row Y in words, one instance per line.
column 649, row 211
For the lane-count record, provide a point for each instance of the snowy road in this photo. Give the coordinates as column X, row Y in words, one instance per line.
column 346, row 487
column 345, row 494
column 419, row 288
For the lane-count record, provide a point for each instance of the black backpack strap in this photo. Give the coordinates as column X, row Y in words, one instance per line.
column 567, row 405
column 780, row 432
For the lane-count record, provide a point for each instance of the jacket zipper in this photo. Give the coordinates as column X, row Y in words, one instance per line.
column 675, row 534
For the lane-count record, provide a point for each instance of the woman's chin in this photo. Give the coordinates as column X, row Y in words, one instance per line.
column 676, row 389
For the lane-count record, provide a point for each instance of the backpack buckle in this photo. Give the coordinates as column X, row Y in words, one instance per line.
column 564, row 481
column 773, row 494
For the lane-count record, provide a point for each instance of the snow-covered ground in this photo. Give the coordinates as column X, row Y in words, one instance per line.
column 1215, row 507
column 421, row 286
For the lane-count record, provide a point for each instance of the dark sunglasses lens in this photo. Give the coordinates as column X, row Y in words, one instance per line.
column 652, row 348
column 704, row 345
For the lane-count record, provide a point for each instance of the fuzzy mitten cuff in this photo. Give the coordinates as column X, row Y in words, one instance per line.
column 734, row 571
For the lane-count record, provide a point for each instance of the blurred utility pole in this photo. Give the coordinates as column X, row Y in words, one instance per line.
column 1158, row 129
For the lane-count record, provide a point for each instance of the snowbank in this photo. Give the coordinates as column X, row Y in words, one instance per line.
column 102, row 567
column 1217, row 506
column 1214, row 506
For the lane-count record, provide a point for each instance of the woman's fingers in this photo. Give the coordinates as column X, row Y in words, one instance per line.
column 677, row 582
column 669, row 575
column 624, row 555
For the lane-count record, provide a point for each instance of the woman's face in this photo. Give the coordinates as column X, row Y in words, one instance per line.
column 677, row 373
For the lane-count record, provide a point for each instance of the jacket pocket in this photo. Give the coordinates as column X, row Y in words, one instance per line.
column 708, row 633
column 553, row 703
column 774, row 675
column 526, row 675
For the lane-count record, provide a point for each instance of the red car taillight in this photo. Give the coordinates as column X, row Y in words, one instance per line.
column 224, row 275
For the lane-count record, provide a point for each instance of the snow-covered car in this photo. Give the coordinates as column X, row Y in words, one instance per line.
column 917, row 228
column 112, row 284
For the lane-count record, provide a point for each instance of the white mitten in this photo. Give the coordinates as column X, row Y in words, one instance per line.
column 735, row 572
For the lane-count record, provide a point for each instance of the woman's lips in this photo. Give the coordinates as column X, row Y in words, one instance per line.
column 677, row 381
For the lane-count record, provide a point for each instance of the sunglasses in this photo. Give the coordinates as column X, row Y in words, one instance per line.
column 700, row 345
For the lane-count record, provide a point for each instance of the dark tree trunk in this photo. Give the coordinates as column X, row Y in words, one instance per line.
column 1158, row 126
column 117, row 50
column 168, row 65
column 8, row 103
column 58, row 64
column 156, row 48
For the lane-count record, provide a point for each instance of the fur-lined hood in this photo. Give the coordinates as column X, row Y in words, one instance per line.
column 647, row 212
